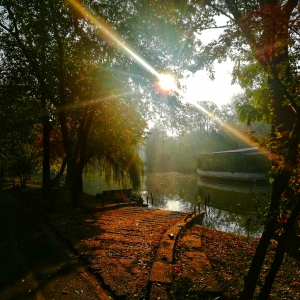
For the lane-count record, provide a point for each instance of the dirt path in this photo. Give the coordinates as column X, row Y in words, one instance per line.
column 131, row 250
column 121, row 251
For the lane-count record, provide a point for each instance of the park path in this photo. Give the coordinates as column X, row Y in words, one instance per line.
column 140, row 253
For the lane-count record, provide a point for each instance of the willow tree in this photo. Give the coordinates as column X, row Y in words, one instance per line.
column 77, row 72
column 262, row 38
column 68, row 66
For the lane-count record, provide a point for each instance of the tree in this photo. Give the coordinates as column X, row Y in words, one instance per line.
column 63, row 65
column 262, row 37
column 19, row 133
column 202, row 134
column 23, row 162
column 71, row 68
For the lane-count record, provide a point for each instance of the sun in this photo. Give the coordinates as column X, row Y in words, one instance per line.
column 167, row 82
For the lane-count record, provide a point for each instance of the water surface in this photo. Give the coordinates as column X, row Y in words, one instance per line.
column 231, row 208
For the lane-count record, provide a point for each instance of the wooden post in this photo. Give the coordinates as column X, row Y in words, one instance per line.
column 152, row 198
column 199, row 207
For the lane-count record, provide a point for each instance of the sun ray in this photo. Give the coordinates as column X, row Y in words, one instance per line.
column 233, row 130
column 111, row 35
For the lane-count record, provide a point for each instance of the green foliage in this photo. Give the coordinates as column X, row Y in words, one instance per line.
column 68, row 68
column 71, row 69
column 23, row 163
column 114, row 140
column 18, row 156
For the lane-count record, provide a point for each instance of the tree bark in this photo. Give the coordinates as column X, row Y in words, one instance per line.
column 46, row 157
column 74, row 182
column 262, row 247
column 56, row 179
column 284, row 115
column 280, row 251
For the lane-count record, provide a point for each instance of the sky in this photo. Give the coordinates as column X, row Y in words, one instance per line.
column 201, row 88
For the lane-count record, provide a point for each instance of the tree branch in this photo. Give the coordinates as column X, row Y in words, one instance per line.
column 293, row 103
column 220, row 11
column 206, row 28
column 7, row 29
column 56, row 179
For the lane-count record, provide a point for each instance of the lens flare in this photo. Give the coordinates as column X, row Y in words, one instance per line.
column 112, row 36
column 167, row 82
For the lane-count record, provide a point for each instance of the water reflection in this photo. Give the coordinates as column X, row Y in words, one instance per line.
column 230, row 206
column 234, row 208
column 229, row 209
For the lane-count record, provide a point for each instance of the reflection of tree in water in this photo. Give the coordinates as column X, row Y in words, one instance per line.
column 237, row 199
column 228, row 211
column 230, row 222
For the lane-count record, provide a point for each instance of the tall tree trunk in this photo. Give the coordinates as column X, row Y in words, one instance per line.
column 280, row 251
column 279, row 185
column 46, row 157
column 45, row 116
column 74, row 181
column 284, row 115
column 262, row 247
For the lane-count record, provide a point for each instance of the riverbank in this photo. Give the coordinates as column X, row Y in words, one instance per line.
column 111, row 246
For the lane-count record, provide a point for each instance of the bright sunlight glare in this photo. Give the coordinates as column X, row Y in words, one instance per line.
column 166, row 81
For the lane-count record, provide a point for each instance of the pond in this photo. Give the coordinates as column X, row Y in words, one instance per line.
column 231, row 208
